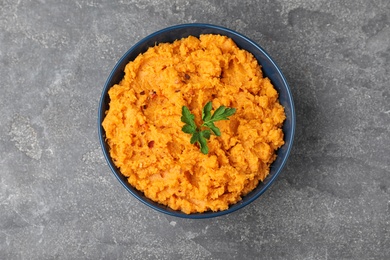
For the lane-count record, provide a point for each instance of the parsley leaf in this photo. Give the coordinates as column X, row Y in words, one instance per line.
column 213, row 128
column 201, row 134
column 206, row 112
column 189, row 120
column 222, row 113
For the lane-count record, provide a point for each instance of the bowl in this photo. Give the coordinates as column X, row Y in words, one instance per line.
column 270, row 70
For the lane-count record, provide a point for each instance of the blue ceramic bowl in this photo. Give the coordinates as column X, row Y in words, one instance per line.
column 270, row 70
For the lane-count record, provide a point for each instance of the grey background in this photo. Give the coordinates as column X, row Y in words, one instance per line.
column 59, row 200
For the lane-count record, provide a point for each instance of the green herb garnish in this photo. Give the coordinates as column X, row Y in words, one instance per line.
column 201, row 134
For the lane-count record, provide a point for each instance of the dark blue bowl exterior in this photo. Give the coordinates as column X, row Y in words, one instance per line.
column 270, row 70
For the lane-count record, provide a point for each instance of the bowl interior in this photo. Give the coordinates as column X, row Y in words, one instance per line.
column 270, row 70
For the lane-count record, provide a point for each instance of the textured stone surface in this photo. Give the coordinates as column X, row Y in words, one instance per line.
column 58, row 199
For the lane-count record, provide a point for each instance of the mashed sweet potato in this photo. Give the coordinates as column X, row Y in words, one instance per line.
column 143, row 126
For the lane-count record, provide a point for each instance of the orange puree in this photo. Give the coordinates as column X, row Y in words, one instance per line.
column 143, row 126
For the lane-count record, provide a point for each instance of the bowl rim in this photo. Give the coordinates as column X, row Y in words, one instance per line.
column 160, row 207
